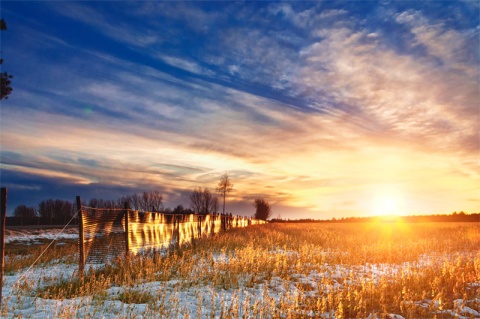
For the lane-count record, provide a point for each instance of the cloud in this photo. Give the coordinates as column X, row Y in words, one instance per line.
column 404, row 96
column 448, row 45
column 302, row 19
column 109, row 25
column 314, row 111
column 258, row 57
column 191, row 16
column 185, row 65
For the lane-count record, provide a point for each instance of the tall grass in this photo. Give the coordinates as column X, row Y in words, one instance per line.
column 20, row 256
column 294, row 271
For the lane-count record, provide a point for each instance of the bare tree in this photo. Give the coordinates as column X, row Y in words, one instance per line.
column 101, row 203
column 151, row 201
column 127, row 199
column 134, row 201
column 203, row 201
column 214, row 206
column 26, row 214
column 224, row 186
column 263, row 209
column 209, row 202
column 58, row 211
column 196, row 200
column 146, row 201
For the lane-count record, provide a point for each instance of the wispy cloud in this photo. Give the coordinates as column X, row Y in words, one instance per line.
column 185, row 65
column 405, row 96
column 109, row 25
column 309, row 105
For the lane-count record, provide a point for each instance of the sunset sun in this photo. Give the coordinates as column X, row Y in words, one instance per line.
column 387, row 204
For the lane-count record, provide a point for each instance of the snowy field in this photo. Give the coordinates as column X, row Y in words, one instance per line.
column 37, row 235
column 270, row 281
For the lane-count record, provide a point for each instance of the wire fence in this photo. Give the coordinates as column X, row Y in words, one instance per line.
column 106, row 234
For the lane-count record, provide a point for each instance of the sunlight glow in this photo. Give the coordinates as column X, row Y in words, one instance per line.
column 387, row 203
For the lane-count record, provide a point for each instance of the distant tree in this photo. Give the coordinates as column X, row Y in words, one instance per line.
column 224, row 186
column 263, row 209
column 58, row 211
column 196, row 200
column 127, row 199
column 151, row 201
column 146, row 201
column 102, row 203
column 202, row 201
column 209, row 202
column 46, row 210
column 26, row 214
column 5, row 78
column 178, row 210
column 214, row 206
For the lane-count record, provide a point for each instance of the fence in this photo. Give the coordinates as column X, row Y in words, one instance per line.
column 105, row 234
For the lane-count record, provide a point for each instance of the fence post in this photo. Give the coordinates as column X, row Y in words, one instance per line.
column 3, row 219
column 176, row 229
column 127, row 246
column 81, row 238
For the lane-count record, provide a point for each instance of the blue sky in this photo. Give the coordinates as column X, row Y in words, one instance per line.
column 324, row 108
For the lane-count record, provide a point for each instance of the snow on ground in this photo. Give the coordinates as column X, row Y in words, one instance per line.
column 37, row 235
column 172, row 301
column 194, row 302
column 176, row 303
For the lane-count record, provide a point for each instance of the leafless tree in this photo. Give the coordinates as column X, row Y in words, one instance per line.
column 196, row 200
column 209, row 201
column 203, row 201
column 151, row 201
column 101, row 203
column 26, row 214
column 214, row 205
column 224, row 186
column 146, row 201
column 58, row 211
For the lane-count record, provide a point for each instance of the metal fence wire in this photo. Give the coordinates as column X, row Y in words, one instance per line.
column 111, row 233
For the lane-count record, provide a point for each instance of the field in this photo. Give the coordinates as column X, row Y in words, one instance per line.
column 369, row 270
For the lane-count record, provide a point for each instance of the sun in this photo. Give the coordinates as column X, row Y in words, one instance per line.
column 386, row 204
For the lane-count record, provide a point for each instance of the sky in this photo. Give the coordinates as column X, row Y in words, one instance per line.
column 325, row 109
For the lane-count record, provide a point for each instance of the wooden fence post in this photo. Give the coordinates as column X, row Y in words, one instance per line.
column 81, row 238
column 3, row 219
column 127, row 245
column 176, row 229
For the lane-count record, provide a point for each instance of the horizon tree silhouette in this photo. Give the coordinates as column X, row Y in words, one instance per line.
column 26, row 214
column 202, row 201
column 263, row 210
column 58, row 210
column 146, row 201
column 224, row 186
column 196, row 200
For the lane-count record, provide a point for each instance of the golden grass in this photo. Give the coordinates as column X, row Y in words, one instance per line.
column 298, row 271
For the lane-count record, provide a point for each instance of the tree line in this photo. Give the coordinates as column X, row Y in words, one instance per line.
column 437, row 218
column 202, row 201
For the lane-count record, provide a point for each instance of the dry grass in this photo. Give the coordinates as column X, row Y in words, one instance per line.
column 295, row 271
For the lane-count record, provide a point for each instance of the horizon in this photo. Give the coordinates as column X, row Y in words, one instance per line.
column 324, row 109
